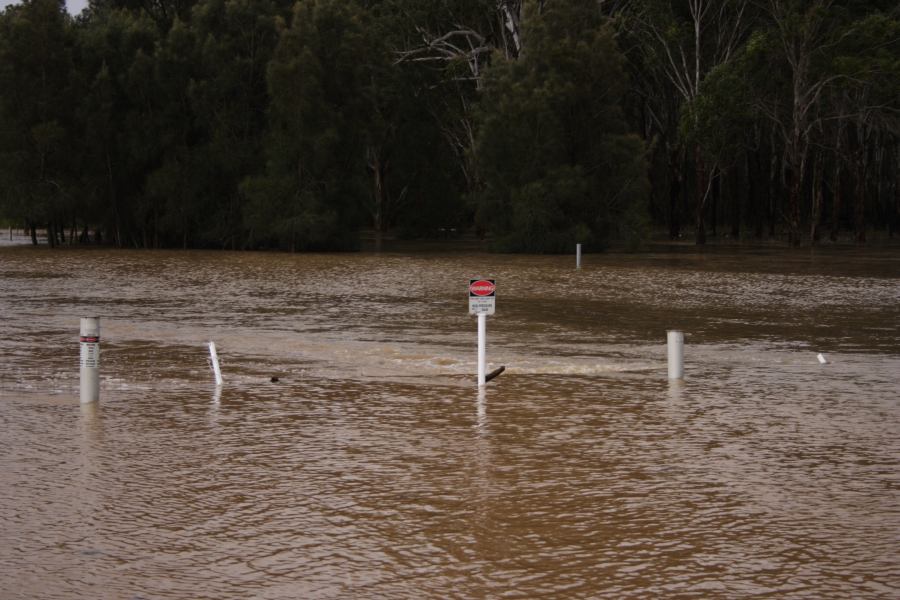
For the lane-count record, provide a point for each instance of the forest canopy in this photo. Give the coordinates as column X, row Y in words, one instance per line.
column 535, row 124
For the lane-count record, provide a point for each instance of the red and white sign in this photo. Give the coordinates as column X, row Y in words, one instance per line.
column 482, row 296
column 482, row 287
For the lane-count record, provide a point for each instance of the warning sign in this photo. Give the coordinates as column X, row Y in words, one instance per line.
column 482, row 296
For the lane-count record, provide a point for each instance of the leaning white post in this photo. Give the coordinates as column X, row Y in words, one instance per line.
column 577, row 256
column 482, row 344
column 90, row 359
column 676, row 354
column 214, row 358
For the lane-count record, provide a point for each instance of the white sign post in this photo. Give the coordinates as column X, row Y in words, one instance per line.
column 482, row 302
column 482, row 349
column 90, row 359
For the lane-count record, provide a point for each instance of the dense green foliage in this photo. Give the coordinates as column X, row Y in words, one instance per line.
column 537, row 123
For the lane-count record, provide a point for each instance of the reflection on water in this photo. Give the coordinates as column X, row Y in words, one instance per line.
column 374, row 468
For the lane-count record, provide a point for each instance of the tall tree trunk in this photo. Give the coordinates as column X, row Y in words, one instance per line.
column 816, row 216
column 715, row 194
column 837, row 200
column 737, row 203
column 859, row 200
column 113, row 201
column 896, row 183
column 771, row 201
column 676, row 181
column 33, row 228
column 378, row 166
column 754, row 170
column 702, row 190
column 797, row 163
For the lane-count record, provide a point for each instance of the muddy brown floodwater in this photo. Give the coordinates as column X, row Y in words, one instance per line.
column 373, row 468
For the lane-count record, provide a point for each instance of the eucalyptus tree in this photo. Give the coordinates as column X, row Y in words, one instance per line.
column 162, row 12
column 235, row 41
column 175, row 184
column 315, row 148
column 801, row 32
column 864, row 113
column 455, row 40
column 679, row 45
column 116, row 115
column 36, row 116
column 818, row 66
column 559, row 166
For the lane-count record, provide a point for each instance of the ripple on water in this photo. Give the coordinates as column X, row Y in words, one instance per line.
column 373, row 468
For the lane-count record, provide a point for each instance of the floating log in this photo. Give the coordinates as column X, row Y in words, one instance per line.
column 493, row 373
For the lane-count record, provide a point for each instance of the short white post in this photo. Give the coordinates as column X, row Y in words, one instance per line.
column 214, row 359
column 577, row 256
column 90, row 359
column 482, row 344
column 676, row 354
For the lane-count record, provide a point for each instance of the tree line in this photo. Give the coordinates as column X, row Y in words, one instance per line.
column 298, row 124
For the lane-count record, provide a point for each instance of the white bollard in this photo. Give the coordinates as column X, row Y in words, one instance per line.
column 482, row 346
column 676, row 354
column 90, row 359
column 214, row 359
column 577, row 256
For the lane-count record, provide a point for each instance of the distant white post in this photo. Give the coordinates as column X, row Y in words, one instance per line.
column 90, row 359
column 676, row 354
column 577, row 256
column 214, row 359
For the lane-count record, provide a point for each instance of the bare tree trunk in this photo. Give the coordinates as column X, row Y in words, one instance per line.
column 676, row 186
column 674, row 196
column 896, row 182
column 815, row 217
column 793, row 216
column 378, row 166
column 754, row 170
column 737, row 204
column 836, row 202
column 701, row 195
column 881, row 176
column 716, row 196
column 859, row 201
column 771, row 204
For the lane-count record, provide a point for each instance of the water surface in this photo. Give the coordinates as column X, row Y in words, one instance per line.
column 373, row 468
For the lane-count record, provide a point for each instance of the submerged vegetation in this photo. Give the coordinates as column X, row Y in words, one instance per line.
column 537, row 123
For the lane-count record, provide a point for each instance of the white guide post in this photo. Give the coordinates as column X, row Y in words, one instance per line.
column 577, row 256
column 90, row 359
column 214, row 359
column 482, row 345
column 676, row 354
